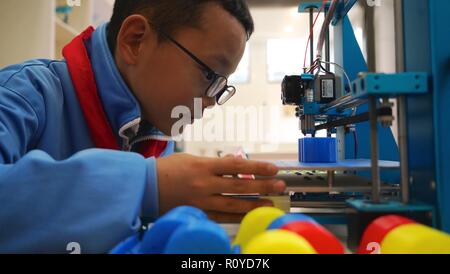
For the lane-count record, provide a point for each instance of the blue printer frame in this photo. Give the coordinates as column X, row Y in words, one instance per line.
column 422, row 89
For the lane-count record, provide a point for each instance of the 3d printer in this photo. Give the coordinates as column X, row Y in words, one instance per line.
column 374, row 174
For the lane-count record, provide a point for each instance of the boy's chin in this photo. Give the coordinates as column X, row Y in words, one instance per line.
column 169, row 129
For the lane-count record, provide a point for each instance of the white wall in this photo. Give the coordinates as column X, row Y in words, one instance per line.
column 27, row 30
column 279, row 125
column 30, row 29
column 385, row 46
column 385, row 37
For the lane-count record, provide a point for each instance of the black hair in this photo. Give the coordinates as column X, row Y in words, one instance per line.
column 171, row 15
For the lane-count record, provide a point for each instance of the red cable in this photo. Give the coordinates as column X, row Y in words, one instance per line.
column 312, row 29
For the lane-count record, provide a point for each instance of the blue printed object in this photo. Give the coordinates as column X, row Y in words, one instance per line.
column 318, row 150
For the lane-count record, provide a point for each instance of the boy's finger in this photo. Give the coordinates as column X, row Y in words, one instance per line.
column 235, row 166
column 221, row 217
column 224, row 204
column 238, row 186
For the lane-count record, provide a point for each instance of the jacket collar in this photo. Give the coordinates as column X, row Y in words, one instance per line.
column 120, row 105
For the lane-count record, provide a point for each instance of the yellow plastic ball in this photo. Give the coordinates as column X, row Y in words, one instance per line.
column 415, row 239
column 255, row 222
column 278, row 242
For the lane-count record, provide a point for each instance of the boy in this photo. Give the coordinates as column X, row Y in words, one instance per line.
column 83, row 149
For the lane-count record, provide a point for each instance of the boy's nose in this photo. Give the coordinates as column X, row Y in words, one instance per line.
column 208, row 102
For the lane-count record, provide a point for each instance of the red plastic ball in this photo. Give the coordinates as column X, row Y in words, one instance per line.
column 320, row 239
column 378, row 229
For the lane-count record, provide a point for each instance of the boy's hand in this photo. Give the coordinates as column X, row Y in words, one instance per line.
column 188, row 180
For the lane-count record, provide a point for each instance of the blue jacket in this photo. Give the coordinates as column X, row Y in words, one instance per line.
column 55, row 187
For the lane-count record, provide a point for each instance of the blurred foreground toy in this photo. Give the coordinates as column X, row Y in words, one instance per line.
column 278, row 242
column 398, row 235
column 256, row 222
column 183, row 230
column 265, row 230
column 323, row 241
column 269, row 231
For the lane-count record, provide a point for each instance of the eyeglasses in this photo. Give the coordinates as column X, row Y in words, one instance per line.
column 219, row 87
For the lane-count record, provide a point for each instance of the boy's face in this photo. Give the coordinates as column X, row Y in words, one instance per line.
column 163, row 77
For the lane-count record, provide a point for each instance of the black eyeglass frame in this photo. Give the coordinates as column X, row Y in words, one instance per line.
column 211, row 75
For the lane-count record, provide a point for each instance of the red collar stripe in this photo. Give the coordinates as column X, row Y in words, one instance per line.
column 82, row 75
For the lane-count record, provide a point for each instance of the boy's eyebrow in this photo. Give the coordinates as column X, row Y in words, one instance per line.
column 221, row 60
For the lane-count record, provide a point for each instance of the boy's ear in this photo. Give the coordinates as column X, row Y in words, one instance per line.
column 134, row 31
